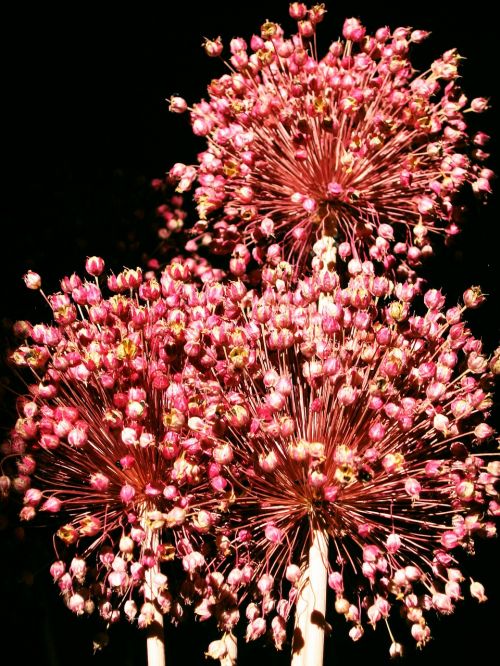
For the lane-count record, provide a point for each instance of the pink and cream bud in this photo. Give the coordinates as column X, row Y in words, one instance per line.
column 32, row 280
column 94, row 266
column 477, row 591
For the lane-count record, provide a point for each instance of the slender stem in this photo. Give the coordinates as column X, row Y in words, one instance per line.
column 231, row 656
column 309, row 635
column 155, row 641
column 318, row 579
column 302, row 606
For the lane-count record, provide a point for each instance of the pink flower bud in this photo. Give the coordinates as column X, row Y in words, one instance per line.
column 76, row 604
column 129, row 436
column 344, row 250
column 217, row 650
column 57, row 569
column 268, row 462
column 78, row 568
column 442, row 603
column 370, row 553
column 316, row 478
column 52, row 505
column 32, row 280
column 94, row 266
column 393, row 543
column 309, row 205
column 297, row 10
column 130, row 609
column 335, row 581
column 77, row 437
column 441, row 422
column 273, row 534
column 356, row 632
column 265, row 584
column 235, row 577
column 275, row 400
column 420, row 633
column 483, row 431
column 126, row 545
column 218, row 483
column 118, row 579
column 127, row 493
column 412, row 573
column 376, row 432
column 193, row 561
column 479, row 104
column 473, row 297
column 32, row 497
column 452, row 590
column 176, row 517
column 293, row 573
column 374, row 614
column 213, row 47
column 127, row 462
column 353, row 30
column 465, row 491
column 222, row 454
column 450, row 540
column 330, row 493
column 177, row 104
column 346, row 395
column 255, row 629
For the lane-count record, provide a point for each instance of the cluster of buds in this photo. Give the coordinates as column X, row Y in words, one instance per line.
column 209, row 422
column 354, row 145
column 107, row 445
column 348, row 411
column 189, row 434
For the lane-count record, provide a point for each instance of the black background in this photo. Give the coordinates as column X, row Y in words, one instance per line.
column 85, row 127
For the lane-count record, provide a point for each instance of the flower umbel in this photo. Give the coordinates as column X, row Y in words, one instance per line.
column 227, row 430
column 359, row 421
column 354, row 145
column 107, row 444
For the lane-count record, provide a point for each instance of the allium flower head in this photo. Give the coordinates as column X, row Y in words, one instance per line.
column 108, row 448
column 362, row 421
column 223, row 429
column 355, row 144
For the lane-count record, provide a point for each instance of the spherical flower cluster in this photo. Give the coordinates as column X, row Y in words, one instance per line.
column 107, row 445
column 214, row 430
column 239, row 443
column 361, row 420
column 355, row 145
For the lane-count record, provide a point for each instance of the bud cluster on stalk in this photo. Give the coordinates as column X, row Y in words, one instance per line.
column 212, row 425
column 356, row 144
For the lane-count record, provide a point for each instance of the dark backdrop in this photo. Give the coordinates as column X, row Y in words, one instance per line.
column 85, row 127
